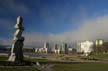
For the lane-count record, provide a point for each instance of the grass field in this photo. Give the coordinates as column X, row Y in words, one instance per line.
column 18, row 69
column 3, row 58
column 61, row 67
column 100, row 56
column 81, row 67
column 64, row 67
column 36, row 60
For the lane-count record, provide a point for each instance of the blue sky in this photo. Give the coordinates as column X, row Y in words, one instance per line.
column 54, row 20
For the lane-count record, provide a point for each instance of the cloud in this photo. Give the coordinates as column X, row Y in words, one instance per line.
column 90, row 29
column 35, row 39
column 13, row 7
column 5, row 31
column 5, row 42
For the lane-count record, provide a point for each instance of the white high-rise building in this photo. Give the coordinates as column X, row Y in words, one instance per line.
column 85, row 47
column 45, row 48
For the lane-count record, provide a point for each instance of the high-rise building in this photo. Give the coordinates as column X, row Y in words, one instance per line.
column 57, row 49
column 66, row 48
column 99, row 46
column 85, row 47
column 46, row 47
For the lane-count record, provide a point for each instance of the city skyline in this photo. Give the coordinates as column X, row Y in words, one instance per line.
column 54, row 20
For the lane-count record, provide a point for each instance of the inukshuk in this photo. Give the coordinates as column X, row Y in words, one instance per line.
column 16, row 49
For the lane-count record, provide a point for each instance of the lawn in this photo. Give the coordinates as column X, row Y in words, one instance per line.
column 36, row 60
column 18, row 69
column 3, row 58
column 100, row 56
column 60, row 66
column 81, row 67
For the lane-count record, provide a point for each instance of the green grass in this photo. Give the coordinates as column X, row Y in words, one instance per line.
column 36, row 60
column 62, row 67
column 100, row 56
column 81, row 67
column 3, row 58
column 18, row 69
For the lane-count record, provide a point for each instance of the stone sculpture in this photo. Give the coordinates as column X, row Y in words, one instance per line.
column 16, row 49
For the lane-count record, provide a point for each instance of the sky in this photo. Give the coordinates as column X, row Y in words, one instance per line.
column 69, row 21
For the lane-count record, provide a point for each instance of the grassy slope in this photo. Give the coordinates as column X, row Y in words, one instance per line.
column 64, row 67
column 18, row 69
column 35, row 60
column 101, row 56
column 81, row 67
column 3, row 58
column 12, row 68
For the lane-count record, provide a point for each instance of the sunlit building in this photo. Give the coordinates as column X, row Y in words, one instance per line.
column 99, row 46
column 64, row 48
column 85, row 47
column 46, row 47
column 57, row 49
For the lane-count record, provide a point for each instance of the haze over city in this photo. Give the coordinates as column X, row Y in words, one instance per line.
column 54, row 20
